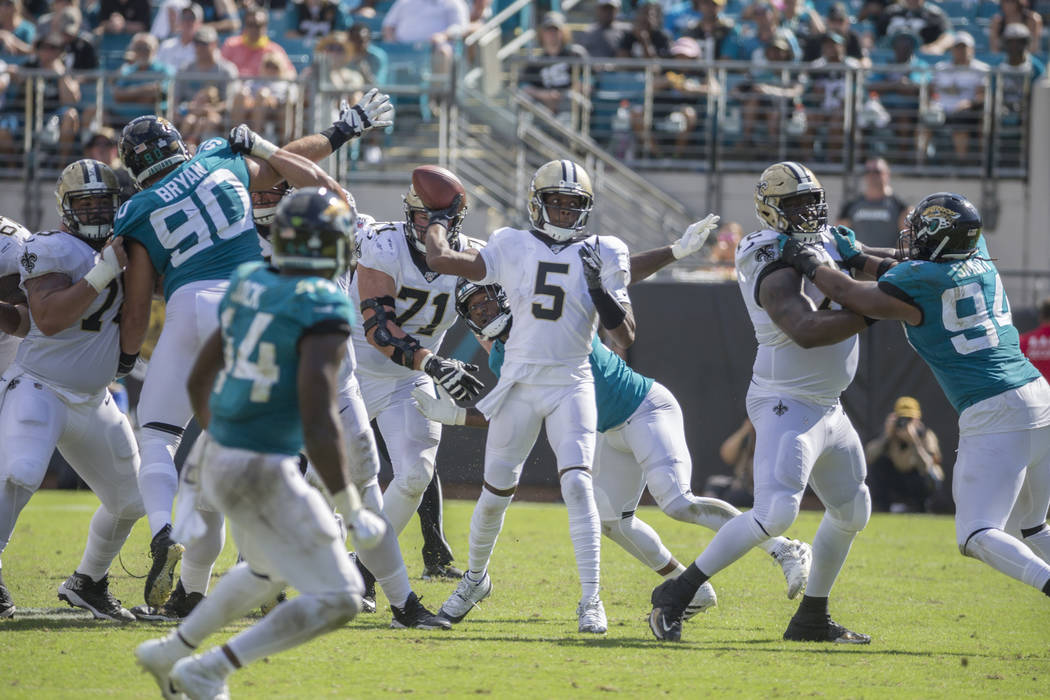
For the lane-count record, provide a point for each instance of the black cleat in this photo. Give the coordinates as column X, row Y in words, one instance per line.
column 441, row 571
column 665, row 620
column 81, row 592
column 822, row 630
column 415, row 616
column 166, row 553
column 179, row 605
column 7, row 605
column 368, row 599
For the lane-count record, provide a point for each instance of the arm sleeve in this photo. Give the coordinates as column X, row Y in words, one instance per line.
column 493, row 256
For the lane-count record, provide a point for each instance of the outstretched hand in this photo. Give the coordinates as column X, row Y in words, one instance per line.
column 695, row 236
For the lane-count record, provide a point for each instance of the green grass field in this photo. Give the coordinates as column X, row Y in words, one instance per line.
column 942, row 625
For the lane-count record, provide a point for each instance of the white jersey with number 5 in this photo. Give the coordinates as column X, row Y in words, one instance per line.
column 424, row 301
column 82, row 359
column 12, row 237
column 817, row 374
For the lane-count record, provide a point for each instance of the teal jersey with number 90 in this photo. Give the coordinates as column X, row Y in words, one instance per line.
column 967, row 335
column 196, row 222
column 263, row 316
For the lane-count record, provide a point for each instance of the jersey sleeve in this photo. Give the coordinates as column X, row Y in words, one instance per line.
column 616, row 267
column 756, row 257
column 10, row 254
column 493, row 254
column 379, row 250
column 44, row 254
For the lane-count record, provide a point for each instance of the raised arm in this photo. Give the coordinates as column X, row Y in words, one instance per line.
column 441, row 258
column 649, row 262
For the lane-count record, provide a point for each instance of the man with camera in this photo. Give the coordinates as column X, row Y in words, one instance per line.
column 904, row 463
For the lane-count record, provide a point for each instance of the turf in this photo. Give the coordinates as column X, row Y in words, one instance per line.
column 942, row 625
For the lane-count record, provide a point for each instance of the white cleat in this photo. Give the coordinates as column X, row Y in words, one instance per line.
column 158, row 656
column 466, row 596
column 592, row 616
column 705, row 598
column 197, row 681
column 795, row 558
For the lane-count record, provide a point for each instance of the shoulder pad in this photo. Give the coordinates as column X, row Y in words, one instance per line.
column 213, row 144
column 760, row 245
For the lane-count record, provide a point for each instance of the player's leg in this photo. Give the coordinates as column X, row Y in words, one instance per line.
column 437, row 552
column 1028, row 518
column 31, row 420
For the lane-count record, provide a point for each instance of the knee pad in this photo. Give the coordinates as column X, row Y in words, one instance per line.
column 778, row 514
column 363, row 456
column 158, row 446
column 854, row 515
column 122, row 442
column 576, row 485
column 333, row 609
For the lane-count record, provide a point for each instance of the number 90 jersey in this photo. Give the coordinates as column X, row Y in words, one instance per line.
column 81, row 359
column 263, row 316
column 196, row 222
column 967, row 335
column 425, row 302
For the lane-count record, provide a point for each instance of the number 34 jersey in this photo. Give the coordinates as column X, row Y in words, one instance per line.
column 967, row 335
column 424, row 301
column 81, row 359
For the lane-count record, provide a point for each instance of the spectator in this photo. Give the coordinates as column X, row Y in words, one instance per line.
column 124, row 16
column 1011, row 12
column 765, row 23
column 267, row 100
column 332, row 54
column 1035, row 344
column 17, row 33
column 767, row 99
column 904, row 463
column 44, row 22
column 876, row 215
column 899, row 89
column 723, row 252
column 647, row 38
column 178, row 51
column 166, row 19
column 713, row 25
column 366, row 9
column 101, row 145
column 369, row 60
column 248, row 49
column 311, row 19
column 1019, row 70
column 679, row 16
column 222, row 15
column 606, row 34
column 928, row 22
column 551, row 84
column 957, row 92
column 438, row 22
column 738, row 452
column 206, row 93
column 800, row 17
column 144, row 83
column 829, row 87
column 79, row 51
column 837, row 22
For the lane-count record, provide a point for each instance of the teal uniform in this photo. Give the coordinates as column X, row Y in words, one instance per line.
column 196, row 222
column 263, row 316
column 967, row 335
column 618, row 389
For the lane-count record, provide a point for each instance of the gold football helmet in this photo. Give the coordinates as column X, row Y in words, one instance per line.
column 560, row 177
column 414, row 204
column 88, row 195
column 789, row 199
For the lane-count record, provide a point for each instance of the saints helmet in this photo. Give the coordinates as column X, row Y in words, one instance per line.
column 313, row 231
column 414, row 204
column 465, row 289
column 560, row 177
column 88, row 195
column 10, row 227
column 150, row 145
column 789, row 199
column 943, row 225
column 264, row 202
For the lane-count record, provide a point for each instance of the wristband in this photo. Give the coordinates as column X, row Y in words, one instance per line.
column 884, row 267
column 336, row 136
column 104, row 271
column 610, row 313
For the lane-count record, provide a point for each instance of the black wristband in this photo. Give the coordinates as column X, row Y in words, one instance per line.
column 610, row 313
column 126, row 363
column 336, row 136
column 884, row 267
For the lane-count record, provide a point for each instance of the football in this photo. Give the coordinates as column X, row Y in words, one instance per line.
column 436, row 186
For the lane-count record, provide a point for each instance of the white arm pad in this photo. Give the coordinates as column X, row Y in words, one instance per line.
column 104, row 271
column 263, row 149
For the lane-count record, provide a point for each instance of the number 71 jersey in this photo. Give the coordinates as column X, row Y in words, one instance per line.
column 424, row 301
column 967, row 335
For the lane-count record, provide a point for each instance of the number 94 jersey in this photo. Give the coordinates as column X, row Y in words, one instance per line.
column 424, row 301
column 967, row 335
column 263, row 316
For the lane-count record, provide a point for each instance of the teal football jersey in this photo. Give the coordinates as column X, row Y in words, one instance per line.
column 196, row 223
column 255, row 402
column 618, row 389
column 967, row 335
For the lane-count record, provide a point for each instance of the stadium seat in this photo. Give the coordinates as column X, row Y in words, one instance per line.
column 960, row 9
column 300, row 52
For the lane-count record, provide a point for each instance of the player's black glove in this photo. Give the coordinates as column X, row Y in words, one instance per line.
column 445, row 216
column 245, row 141
column 592, row 266
column 800, row 256
column 126, row 363
column 454, row 377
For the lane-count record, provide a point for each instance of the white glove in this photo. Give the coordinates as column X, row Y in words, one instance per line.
column 105, row 270
column 367, row 528
column 374, row 111
column 441, row 409
column 694, row 237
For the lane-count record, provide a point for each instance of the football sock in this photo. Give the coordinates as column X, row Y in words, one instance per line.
column 585, row 531
column 13, row 499
column 689, row 582
column 1038, row 540
column 730, row 543
column 436, row 549
column 106, row 535
column 813, row 607
column 158, row 480
column 200, row 555
column 387, row 565
column 831, row 544
column 237, row 593
column 399, row 505
column 639, row 540
column 1006, row 554
column 485, row 526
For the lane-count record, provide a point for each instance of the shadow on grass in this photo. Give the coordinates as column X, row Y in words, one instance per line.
column 32, row 619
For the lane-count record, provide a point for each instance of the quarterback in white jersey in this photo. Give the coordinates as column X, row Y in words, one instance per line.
column 560, row 282
column 56, row 392
column 12, row 237
column 807, row 355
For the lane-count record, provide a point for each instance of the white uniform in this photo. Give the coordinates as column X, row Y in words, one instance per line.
column 546, row 374
column 802, row 434
column 12, row 237
column 55, row 393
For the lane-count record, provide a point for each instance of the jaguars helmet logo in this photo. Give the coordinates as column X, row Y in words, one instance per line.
column 937, row 218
